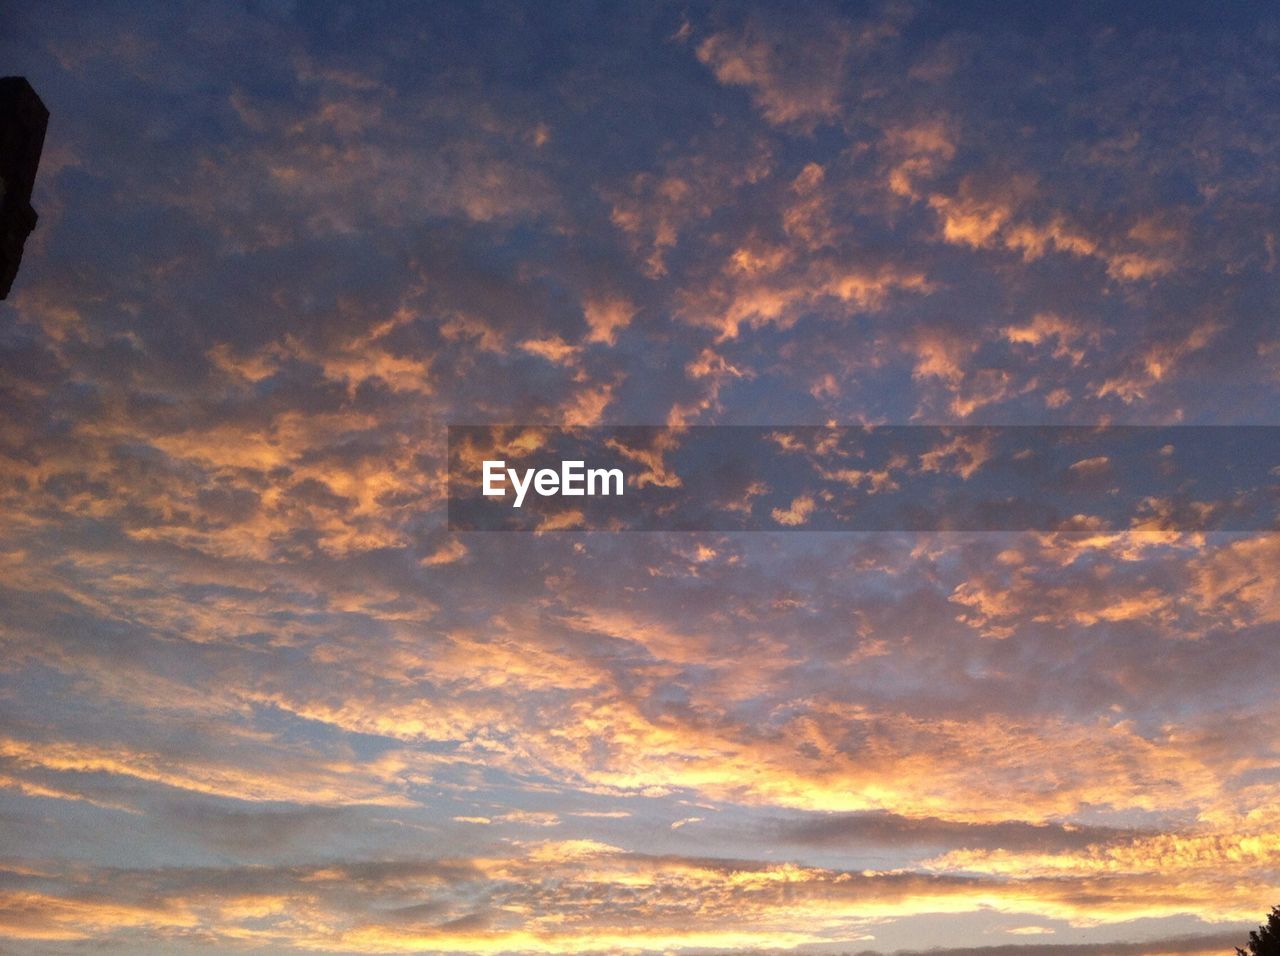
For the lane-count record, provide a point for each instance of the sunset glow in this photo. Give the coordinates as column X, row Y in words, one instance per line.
column 255, row 696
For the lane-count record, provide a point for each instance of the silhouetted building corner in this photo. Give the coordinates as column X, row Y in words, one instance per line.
column 23, row 120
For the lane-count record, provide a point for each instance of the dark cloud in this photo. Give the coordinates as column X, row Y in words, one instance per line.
column 891, row 829
column 1204, row 943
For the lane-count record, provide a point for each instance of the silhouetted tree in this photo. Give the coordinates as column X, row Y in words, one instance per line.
column 1265, row 940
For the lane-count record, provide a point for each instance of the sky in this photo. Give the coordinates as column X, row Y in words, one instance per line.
column 256, row 697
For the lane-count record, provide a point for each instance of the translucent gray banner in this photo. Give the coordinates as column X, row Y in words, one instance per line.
column 882, row 478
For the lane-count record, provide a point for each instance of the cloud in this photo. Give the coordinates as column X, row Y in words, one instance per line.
column 606, row 317
column 1201, row 945
column 797, row 513
column 890, row 829
column 791, row 81
column 397, row 905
